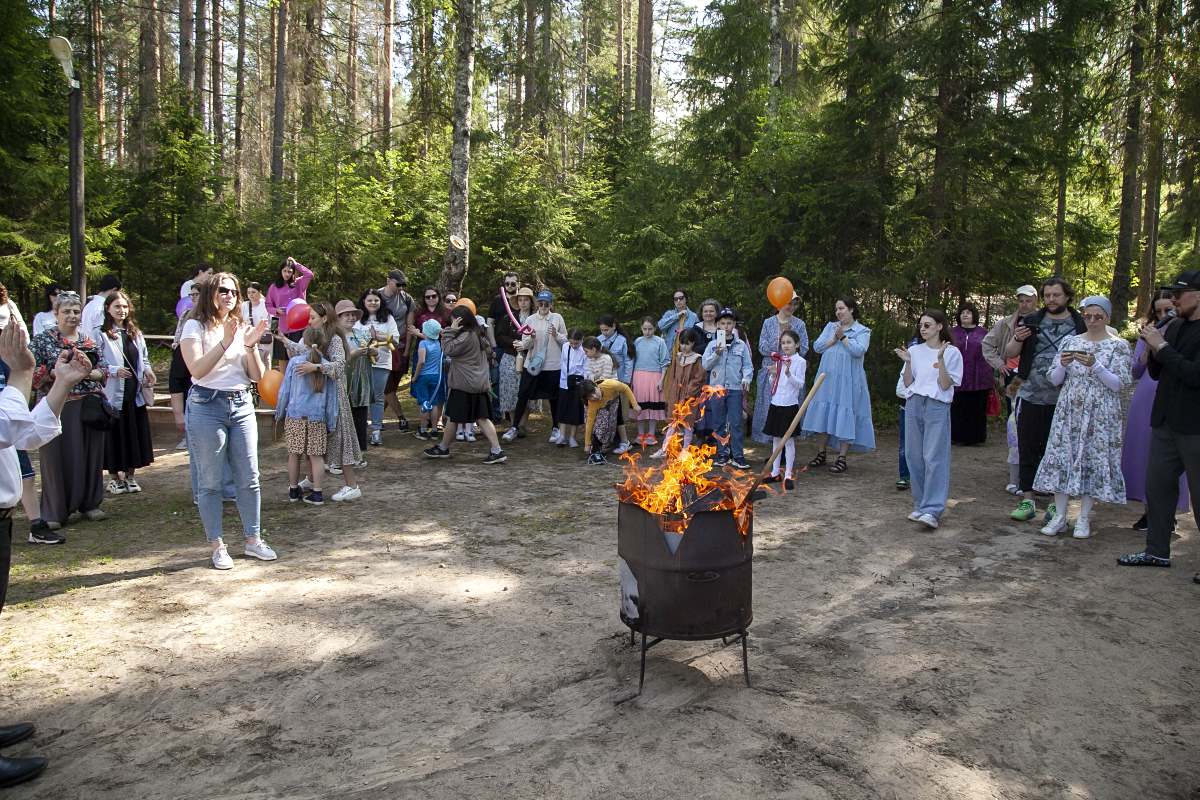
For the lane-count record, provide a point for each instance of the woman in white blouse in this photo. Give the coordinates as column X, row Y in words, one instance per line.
column 254, row 311
column 931, row 371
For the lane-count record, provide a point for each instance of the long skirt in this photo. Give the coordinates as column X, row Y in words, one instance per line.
column 510, row 383
column 968, row 417
column 605, row 425
column 128, row 445
column 71, row 468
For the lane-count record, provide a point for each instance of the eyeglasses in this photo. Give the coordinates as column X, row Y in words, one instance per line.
column 1093, row 317
column 226, row 290
column 431, row 297
column 928, row 324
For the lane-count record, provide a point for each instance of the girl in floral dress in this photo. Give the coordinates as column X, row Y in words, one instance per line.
column 1083, row 453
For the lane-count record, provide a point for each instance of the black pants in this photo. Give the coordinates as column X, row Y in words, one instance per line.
column 543, row 386
column 968, row 417
column 1171, row 454
column 1033, row 429
column 359, row 413
column 5, row 556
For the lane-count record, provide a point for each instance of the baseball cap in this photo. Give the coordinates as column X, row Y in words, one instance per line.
column 1186, row 281
column 344, row 306
column 398, row 276
column 1026, row 290
column 726, row 312
column 545, row 296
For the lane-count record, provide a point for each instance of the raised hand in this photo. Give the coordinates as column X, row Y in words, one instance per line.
column 72, row 366
column 255, row 334
column 903, row 354
column 14, row 348
column 229, row 332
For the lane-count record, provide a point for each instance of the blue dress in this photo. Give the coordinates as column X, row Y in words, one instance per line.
column 842, row 406
column 768, row 342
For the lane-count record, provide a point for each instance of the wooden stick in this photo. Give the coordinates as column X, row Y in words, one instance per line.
column 762, row 475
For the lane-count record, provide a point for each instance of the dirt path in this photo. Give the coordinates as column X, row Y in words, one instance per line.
column 456, row 635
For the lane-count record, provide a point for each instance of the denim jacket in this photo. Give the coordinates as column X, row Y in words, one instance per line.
column 297, row 400
column 619, row 347
column 732, row 369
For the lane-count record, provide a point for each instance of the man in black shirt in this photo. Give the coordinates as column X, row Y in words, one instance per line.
column 1174, row 421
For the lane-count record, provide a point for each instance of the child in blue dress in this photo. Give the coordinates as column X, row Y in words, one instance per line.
column 429, row 385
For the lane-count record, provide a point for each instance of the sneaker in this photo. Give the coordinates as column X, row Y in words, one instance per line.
column 773, row 479
column 555, row 436
column 1051, row 512
column 659, row 453
column 1143, row 559
column 315, row 498
column 304, row 485
column 915, row 516
column 376, row 439
column 1024, row 511
column 470, row 435
column 789, row 484
column 133, row 486
column 419, row 433
column 260, row 550
column 40, row 533
column 623, row 447
column 1013, row 489
column 740, row 463
column 597, row 458
column 1142, row 524
column 720, row 461
column 498, row 457
column 461, row 436
column 116, row 487
column 95, row 515
column 346, row 494
column 509, row 435
column 294, row 494
column 1083, row 528
column 181, row 444
column 1056, row 525
column 929, row 521
column 572, row 443
column 902, row 484
column 402, row 424
column 651, row 441
column 221, row 559
column 437, row 451
column 332, row 470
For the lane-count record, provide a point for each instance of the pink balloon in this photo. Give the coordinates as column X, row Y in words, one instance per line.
column 183, row 306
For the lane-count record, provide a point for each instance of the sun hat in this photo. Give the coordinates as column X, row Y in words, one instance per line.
column 545, row 296
column 1027, row 291
column 344, row 306
column 524, row 291
column 431, row 328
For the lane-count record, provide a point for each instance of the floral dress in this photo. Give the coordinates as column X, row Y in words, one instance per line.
column 343, row 446
column 1083, row 453
column 46, row 346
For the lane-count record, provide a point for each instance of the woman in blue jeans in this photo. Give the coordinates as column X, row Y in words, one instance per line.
column 221, row 353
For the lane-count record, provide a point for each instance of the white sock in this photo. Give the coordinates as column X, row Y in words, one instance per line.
column 1085, row 506
column 1060, row 504
column 789, row 453
column 777, row 465
column 1014, row 474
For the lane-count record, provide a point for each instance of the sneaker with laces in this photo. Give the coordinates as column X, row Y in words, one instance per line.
column 1056, row 525
column 116, row 487
column 509, row 435
column 437, row 451
column 915, row 516
column 623, row 447
column 346, row 494
column 461, row 436
column 132, row 486
column 293, row 494
column 597, row 458
column 1083, row 528
column 333, row 470
column 720, row 461
column 315, row 498
column 40, row 533
column 1143, row 559
column 402, row 424
column 1012, row 488
column 651, row 441
column 1024, row 511
column 376, row 439
column 221, row 558
column 470, row 435
column 420, row 433
column 1051, row 513
column 260, row 550
column 497, row 457
column 740, row 463
column 659, row 453
column 555, row 436
column 929, row 521
column 304, row 485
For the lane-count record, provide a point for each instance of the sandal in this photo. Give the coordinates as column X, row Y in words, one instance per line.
column 818, row 461
column 839, row 466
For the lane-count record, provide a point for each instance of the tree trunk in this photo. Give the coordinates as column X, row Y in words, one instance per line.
column 544, row 71
column 620, row 51
column 627, row 54
column 1157, row 86
column 218, row 100
column 120, row 108
column 456, row 261
column 187, row 53
column 200, row 75
column 98, row 90
column 311, row 89
column 1127, row 234
column 529, row 104
column 352, row 67
column 277, row 118
column 239, row 103
column 388, row 34
column 163, row 44
column 776, row 66
column 645, row 56
column 148, row 83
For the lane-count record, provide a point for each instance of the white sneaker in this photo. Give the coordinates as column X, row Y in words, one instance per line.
column 623, row 447
column 1083, row 528
column 572, row 443
column 461, row 436
column 182, row 445
column 333, row 470
column 470, row 435
column 346, row 493
column 928, row 520
column 659, row 453
column 915, row 516
column 221, row 559
column 509, row 435
column 1012, row 488
column 117, row 487
column 305, row 484
column 555, row 436
column 261, row 550
column 1056, row 525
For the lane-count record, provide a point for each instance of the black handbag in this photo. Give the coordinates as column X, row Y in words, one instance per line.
column 96, row 413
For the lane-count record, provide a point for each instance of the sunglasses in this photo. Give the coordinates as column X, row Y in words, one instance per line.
column 680, row 297
column 431, row 297
column 510, row 283
column 451, row 299
column 226, row 290
column 928, row 324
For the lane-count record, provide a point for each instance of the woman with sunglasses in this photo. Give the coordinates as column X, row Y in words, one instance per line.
column 1083, row 453
column 221, row 353
column 431, row 307
column 543, row 360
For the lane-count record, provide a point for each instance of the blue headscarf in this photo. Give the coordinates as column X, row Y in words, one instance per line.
column 1100, row 302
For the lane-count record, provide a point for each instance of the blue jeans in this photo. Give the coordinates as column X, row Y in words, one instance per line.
column 927, row 447
column 728, row 409
column 379, row 379
column 903, row 460
column 223, row 435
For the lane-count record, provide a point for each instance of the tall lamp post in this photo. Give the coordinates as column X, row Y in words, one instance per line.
column 62, row 50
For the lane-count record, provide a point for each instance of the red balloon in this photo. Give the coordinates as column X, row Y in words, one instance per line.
column 268, row 386
column 297, row 316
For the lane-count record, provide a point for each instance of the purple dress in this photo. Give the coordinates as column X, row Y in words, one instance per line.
column 1136, row 454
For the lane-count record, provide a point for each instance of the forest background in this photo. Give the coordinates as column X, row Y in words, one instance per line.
column 910, row 153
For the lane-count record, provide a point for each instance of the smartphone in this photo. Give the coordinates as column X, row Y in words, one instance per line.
column 721, row 338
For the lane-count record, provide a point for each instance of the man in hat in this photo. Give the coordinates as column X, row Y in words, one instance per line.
column 1174, row 421
column 399, row 302
column 998, row 338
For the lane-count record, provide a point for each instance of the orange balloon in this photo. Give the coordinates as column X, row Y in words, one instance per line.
column 780, row 292
column 268, row 386
column 468, row 302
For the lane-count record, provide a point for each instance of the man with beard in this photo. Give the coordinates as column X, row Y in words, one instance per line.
column 1036, row 340
column 399, row 302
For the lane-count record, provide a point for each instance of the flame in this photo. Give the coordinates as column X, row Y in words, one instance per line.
column 686, row 475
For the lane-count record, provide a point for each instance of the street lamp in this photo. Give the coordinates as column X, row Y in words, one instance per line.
column 62, row 51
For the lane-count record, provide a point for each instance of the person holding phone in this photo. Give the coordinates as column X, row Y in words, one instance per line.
column 730, row 367
column 72, row 477
column 1037, row 341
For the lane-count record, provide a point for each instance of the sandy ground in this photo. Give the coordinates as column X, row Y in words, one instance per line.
column 455, row 634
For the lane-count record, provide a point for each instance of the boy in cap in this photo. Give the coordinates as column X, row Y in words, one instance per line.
column 728, row 360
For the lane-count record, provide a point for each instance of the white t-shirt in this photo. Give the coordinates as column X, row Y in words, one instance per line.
column 93, row 313
column 185, row 288
column 383, row 357
column 44, row 320
column 925, row 375
column 253, row 315
column 230, row 373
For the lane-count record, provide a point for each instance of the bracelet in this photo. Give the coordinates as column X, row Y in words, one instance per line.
column 224, row 347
